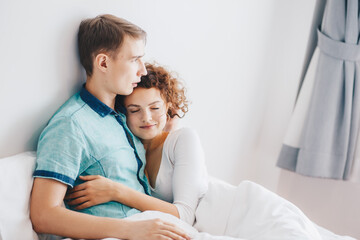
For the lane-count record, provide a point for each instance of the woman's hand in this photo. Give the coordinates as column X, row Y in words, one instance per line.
column 96, row 190
column 171, row 124
column 155, row 229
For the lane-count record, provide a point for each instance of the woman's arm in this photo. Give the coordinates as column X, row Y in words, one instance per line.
column 189, row 183
column 98, row 189
column 48, row 216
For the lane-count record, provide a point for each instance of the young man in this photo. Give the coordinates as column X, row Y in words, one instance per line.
column 86, row 136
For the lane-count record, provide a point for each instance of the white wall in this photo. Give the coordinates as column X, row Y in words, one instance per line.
column 241, row 61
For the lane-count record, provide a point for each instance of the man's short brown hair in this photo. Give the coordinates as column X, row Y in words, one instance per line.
column 104, row 33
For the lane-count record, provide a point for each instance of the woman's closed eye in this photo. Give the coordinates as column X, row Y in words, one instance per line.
column 133, row 110
column 156, row 106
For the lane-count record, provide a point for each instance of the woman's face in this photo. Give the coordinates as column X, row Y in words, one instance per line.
column 146, row 112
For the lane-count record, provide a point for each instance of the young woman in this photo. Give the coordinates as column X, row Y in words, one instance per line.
column 174, row 160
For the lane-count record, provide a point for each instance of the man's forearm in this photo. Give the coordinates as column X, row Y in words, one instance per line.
column 48, row 216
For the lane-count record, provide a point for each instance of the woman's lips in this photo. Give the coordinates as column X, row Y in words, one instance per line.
column 147, row 126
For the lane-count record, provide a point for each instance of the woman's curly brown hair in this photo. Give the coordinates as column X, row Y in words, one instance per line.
column 171, row 89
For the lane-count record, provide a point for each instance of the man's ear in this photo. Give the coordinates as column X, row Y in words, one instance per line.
column 101, row 62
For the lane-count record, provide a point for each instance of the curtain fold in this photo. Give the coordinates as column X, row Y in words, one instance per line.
column 322, row 138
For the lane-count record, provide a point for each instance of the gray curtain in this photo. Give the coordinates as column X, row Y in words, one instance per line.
column 327, row 125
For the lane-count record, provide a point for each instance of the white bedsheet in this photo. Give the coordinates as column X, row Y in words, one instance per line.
column 248, row 211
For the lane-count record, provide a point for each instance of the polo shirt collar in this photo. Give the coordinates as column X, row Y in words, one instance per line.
column 94, row 103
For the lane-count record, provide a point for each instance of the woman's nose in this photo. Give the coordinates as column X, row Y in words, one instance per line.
column 147, row 116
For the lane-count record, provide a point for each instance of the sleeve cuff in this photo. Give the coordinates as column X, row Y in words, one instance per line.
column 56, row 176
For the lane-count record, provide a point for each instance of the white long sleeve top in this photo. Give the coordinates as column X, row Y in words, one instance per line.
column 182, row 176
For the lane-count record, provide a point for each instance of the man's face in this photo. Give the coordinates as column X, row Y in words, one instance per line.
column 125, row 69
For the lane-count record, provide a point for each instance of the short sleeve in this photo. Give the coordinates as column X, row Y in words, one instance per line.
column 190, row 175
column 60, row 151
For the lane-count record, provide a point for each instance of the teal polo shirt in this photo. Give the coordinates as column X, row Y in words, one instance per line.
column 86, row 137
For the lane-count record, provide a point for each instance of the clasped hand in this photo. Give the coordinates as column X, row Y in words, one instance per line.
column 96, row 190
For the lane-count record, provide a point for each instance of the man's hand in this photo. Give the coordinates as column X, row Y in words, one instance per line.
column 155, row 229
column 96, row 190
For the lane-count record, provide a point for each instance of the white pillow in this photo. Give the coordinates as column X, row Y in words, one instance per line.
column 15, row 188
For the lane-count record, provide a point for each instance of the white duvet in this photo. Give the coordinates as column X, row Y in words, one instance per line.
column 248, row 211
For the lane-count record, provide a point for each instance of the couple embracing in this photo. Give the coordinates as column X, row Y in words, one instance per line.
column 106, row 152
column 112, row 154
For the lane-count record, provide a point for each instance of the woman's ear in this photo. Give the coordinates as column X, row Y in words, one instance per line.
column 101, row 62
column 168, row 106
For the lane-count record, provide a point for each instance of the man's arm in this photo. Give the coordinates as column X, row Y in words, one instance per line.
column 98, row 189
column 48, row 216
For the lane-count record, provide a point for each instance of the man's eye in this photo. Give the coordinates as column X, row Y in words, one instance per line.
column 133, row 111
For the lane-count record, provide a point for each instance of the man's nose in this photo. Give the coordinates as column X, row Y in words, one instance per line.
column 142, row 69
